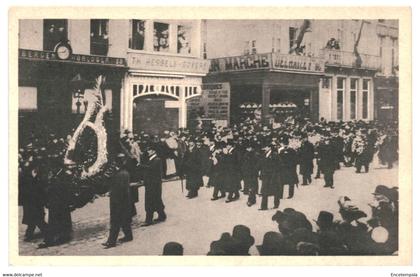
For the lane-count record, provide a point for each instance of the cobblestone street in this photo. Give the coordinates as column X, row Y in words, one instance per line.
column 197, row 222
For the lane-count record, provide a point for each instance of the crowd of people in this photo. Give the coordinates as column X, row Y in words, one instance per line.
column 349, row 235
column 231, row 160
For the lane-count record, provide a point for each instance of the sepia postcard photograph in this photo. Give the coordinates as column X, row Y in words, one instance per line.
column 215, row 136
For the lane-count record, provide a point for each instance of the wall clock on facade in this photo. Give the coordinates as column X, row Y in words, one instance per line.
column 63, row 51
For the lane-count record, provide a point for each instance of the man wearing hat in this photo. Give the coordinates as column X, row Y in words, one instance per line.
column 232, row 170
column 287, row 161
column 269, row 186
column 120, row 203
column 327, row 162
column 152, row 177
column 306, row 157
column 216, row 171
column 192, row 170
column 243, row 240
column 249, row 170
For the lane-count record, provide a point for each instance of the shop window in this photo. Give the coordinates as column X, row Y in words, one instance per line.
column 340, row 98
column 55, row 31
column 161, row 37
column 99, row 36
column 137, row 35
column 353, row 98
column 326, row 82
column 184, row 39
column 365, row 99
column 28, row 99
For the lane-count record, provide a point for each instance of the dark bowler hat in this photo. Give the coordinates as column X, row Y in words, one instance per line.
column 391, row 194
column 223, row 246
column 173, row 249
column 242, row 234
column 273, row 244
column 325, row 219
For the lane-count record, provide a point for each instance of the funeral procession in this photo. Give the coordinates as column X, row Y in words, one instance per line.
column 208, row 137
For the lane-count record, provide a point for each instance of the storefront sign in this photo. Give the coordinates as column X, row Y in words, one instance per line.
column 271, row 61
column 298, row 63
column 167, row 63
column 241, row 63
column 76, row 58
column 214, row 103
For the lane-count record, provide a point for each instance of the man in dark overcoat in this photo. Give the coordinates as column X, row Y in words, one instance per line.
column 287, row 167
column 193, row 170
column 216, row 171
column 60, row 203
column 306, row 156
column 327, row 162
column 152, row 177
column 120, row 203
column 232, row 171
column 269, row 178
column 249, row 170
column 34, row 199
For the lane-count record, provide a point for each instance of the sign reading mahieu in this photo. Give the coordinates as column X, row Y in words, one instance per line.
column 214, row 102
column 269, row 61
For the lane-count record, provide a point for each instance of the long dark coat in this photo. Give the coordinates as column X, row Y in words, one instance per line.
column 34, row 200
column 388, row 150
column 231, row 171
column 306, row 156
column 268, row 167
column 327, row 161
column 287, row 166
column 120, row 201
column 60, row 201
column 249, row 168
column 205, row 161
column 192, row 169
column 215, row 173
column 152, row 177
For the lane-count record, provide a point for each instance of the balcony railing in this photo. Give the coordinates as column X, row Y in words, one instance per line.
column 348, row 59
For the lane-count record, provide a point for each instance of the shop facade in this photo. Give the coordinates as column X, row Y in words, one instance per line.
column 156, row 91
column 51, row 89
column 270, row 85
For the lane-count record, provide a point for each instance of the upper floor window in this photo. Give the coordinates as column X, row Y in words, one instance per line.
column 254, row 47
column 137, row 35
column 160, row 37
column 55, row 31
column 99, row 36
column 184, row 39
column 292, row 36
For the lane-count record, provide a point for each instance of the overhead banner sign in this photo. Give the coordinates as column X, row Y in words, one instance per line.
column 75, row 58
column 214, row 103
column 241, row 63
column 298, row 63
column 174, row 64
column 268, row 61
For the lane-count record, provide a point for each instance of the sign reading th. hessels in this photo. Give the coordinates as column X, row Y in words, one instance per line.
column 167, row 63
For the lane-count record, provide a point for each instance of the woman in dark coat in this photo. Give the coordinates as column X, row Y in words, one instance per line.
column 192, row 170
column 34, row 199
